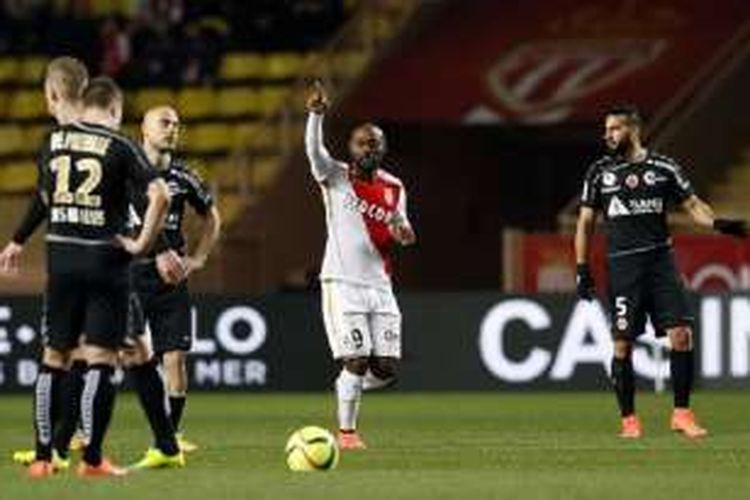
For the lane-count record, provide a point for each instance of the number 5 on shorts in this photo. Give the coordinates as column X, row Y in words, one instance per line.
column 621, row 313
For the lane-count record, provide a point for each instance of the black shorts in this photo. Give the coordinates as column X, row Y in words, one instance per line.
column 88, row 298
column 165, row 308
column 645, row 285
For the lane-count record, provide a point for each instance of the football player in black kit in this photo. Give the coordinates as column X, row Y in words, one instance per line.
column 65, row 81
column 159, row 280
column 634, row 187
column 85, row 169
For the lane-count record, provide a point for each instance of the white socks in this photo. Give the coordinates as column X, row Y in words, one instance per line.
column 348, row 393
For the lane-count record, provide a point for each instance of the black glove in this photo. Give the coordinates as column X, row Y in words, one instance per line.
column 734, row 227
column 584, row 282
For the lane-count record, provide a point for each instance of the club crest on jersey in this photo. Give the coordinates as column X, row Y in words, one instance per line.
column 631, row 181
column 609, row 179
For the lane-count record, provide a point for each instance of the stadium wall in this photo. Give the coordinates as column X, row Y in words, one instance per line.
column 452, row 341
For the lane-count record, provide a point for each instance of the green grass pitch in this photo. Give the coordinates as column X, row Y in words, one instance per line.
column 422, row 446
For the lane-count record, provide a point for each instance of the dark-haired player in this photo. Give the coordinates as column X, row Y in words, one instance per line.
column 365, row 217
column 634, row 187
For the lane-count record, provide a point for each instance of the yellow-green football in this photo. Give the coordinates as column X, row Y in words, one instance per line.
column 311, row 448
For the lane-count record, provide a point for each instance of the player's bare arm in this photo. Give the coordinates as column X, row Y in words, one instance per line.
column 400, row 228
column 209, row 235
column 153, row 221
column 584, row 233
column 703, row 215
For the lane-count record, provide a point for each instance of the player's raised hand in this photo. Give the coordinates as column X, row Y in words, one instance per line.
column 171, row 267
column 10, row 259
column 317, row 99
column 585, row 288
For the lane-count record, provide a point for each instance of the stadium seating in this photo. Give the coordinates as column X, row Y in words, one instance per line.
column 196, row 102
column 8, row 69
column 11, row 139
column 242, row 66
column 26, row 104
column 141, row 100
column 238, row 101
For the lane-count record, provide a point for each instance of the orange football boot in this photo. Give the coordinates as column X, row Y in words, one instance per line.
column 683, row 420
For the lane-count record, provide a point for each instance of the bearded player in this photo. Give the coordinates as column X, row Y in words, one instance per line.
column 365, row 216
column 634, row 187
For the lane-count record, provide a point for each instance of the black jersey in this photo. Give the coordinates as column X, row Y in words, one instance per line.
column 85, row 173
column 186, row 188
column 634, row 198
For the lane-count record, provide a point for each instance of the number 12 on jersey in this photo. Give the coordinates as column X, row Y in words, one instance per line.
column 90, row 167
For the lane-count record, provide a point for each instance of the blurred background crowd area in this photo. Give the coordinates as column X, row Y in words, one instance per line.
column 492, row 111
column 165, row 42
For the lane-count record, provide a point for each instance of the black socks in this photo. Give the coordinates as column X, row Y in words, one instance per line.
column 682, row 373
column 176, row 406
column 97, row 403
column 150, row 388
column 623, row 379
column 72, row 388
column 47, row 408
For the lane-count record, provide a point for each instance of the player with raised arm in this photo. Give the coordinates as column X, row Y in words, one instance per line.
column 634, row 187
column 365, row 215
column 84, row 171
column 159, row 279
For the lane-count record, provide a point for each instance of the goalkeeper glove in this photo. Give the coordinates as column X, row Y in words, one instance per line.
column 734, row 227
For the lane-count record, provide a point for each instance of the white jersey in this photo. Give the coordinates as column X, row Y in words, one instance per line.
column 358, row 215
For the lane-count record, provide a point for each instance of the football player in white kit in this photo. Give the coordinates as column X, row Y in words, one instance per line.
column 365, row 215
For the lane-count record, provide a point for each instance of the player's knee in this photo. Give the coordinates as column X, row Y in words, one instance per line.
column 384, row 368
column 174, row 368
column 623, row 348
column 357, row 366
column 97, row 355
column 681, row 338
column 174, row 361
column 55, row 359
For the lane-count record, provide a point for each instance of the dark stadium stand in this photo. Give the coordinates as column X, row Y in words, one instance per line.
column 241, row 118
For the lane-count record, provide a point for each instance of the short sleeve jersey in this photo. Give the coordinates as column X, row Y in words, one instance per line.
column 634, row 198
column 85, row 172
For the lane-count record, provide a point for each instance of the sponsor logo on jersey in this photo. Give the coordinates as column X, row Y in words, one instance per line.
column 646, row 206
column 368, row 209
column 609, row 179
column 632, row 181
column 634, row 207
column 617, row 208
